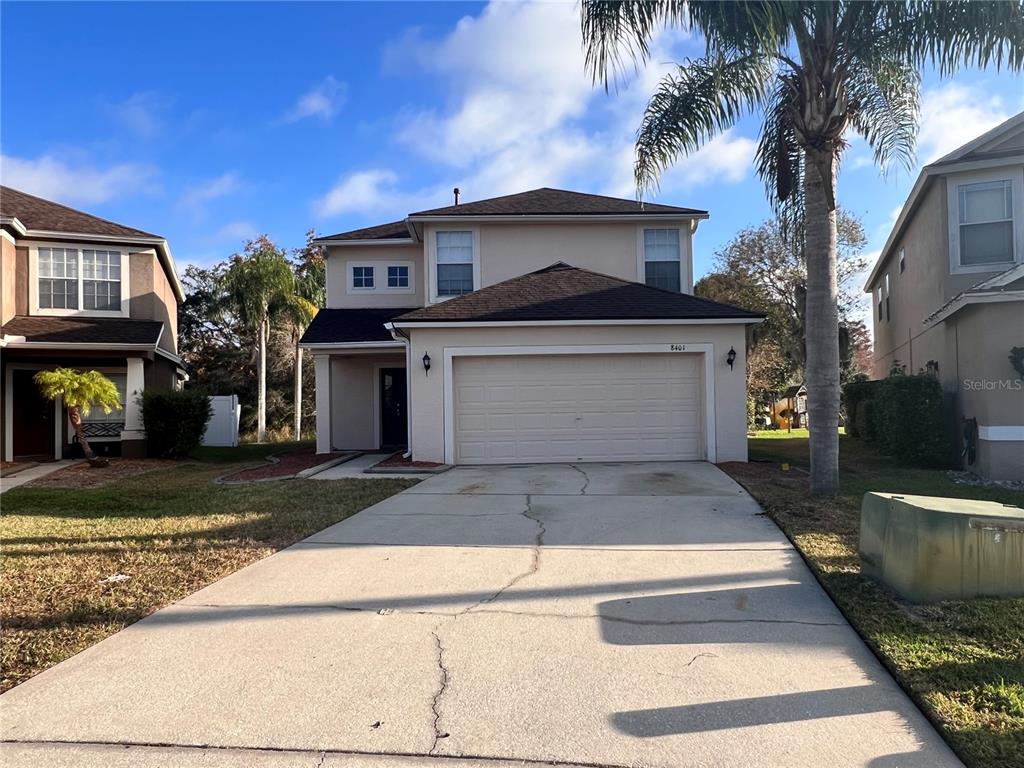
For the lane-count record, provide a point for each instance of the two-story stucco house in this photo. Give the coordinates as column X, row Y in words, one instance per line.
column 544, row 326
column 81, row 292
column 947, row 290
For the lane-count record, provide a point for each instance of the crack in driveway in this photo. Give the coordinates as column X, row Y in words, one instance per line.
column 534, row 562
column 586, row 479
column 435, row 704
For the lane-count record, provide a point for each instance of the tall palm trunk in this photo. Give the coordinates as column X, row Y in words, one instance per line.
column 822, row 326
column 261, row 405
column 298, row 389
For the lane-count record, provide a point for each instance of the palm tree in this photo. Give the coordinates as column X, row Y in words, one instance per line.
column 81, row 392
column 310, row 294
column 257, row 285
column 815, row 70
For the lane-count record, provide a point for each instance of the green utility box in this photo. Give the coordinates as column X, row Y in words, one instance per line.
column 929, row 548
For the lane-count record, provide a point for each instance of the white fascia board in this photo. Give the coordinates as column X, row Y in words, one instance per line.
column 965, row 299
column 169, row 355
column 363, row 243
column 561, row 217
column 324, row 345
column 542, row 323
column 986, row 138
column 14, row 223
column 79, row 345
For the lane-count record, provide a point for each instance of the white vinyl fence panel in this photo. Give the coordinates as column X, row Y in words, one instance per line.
column 223, row 426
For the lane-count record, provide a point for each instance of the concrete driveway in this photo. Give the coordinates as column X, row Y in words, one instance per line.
column 594, row 614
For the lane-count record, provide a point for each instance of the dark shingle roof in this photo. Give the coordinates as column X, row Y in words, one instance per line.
column 555, row 202
column 83, row 330
column 37, row 213
column 343, row 326
column 391, row 231
column 562, row 292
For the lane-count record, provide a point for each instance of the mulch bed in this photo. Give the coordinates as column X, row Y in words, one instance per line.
column 282, row 465
column 396, row 461
column 82, row 475
column 8, row 468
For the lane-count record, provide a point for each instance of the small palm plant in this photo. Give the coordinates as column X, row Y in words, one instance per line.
column 81, row 392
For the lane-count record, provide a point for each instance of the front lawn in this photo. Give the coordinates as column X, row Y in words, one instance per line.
column 171, row 531
column 963, row 662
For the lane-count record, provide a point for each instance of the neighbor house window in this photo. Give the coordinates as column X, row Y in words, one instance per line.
column 878, row 302
column 398, row 277
column 454, row 263
column 362, row 277
column 58, row 278
column 903, row 261
column 101, row 280
column 888, row 308
column 661, row 259
column 986, row 222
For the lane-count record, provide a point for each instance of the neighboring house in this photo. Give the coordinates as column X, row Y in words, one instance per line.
column 948, row 285
column 520, row 329
column 85, row 293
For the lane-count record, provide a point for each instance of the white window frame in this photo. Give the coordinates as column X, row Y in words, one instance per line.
column 351, row 267
column 33, row 281
column 431, row 242
column 953, row 183
column 888, row 302
column 685, row 255
column 410, row 288
column 96, row 415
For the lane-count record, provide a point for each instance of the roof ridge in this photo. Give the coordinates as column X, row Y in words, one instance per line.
column 4, row 187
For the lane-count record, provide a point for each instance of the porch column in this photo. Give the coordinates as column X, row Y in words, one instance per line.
column 322, row 368
column 133, row 435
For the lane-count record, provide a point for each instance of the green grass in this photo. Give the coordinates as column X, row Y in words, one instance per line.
column 963, row 662
column 171, row 530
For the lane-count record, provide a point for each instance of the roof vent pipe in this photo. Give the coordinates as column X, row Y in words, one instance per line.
column 456, row 191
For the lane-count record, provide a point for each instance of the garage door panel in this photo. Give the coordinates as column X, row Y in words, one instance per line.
column 578, row 408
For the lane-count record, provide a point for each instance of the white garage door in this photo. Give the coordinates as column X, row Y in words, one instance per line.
column 549, row 408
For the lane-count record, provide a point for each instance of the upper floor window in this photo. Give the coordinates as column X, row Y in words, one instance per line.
column 362, row 277
column 888, row 307
column 662, row 259
column 986, row 222
column 398, row 277
column 87, row 280
column 454, row 263
column 879, row 303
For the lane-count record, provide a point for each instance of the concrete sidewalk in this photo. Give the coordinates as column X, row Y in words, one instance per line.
column 32, row 473
column 599, row 615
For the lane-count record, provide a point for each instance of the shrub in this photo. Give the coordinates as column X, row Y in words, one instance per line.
column 910, row 417
column 175, row 421
column 863, row 423
column 854, row 394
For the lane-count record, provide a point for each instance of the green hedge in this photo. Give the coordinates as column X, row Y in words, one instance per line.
column 175, row 421
column 908, row 417
column 855, row 393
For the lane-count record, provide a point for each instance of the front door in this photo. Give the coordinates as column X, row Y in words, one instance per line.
column 393, row 404
column 32, row 420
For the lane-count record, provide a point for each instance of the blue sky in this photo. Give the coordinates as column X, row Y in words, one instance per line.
column 211, row 123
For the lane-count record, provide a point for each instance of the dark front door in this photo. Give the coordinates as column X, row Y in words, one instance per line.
column 393, row 433
column 32, row 418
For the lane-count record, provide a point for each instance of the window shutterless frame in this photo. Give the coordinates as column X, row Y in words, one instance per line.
column 986, row 211
column 79, row 280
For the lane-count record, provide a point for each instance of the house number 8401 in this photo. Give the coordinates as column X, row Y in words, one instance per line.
column 676, row 347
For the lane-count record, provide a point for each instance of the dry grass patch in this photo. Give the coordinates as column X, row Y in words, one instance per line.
column 962, row 662
column 171, row 531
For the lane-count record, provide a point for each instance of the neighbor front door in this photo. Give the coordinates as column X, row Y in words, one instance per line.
column 32, row 420
column 393, row 404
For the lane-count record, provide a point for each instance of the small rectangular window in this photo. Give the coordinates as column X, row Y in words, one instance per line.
column 903, row 261
column 662, row 264
column 454, row 263
column 878, row 301
column 398, row 277
column 58, row 278
column 888, row 309
column 362, row 277
column 986, row 222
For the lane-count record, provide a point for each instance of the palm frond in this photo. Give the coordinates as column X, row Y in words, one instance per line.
column 614, row 30
column 884, row 98
column 704, row 97
column 950, row 35
column 780, row 160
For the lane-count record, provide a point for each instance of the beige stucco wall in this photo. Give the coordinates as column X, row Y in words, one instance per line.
column 8, row 279
column 21, row 280
column 152, row 298
column 355, row 417
column 427, row 391
column 339, row 259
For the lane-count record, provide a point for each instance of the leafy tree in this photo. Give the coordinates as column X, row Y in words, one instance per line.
column 257, row 286
column 81, row 392
column 815, row 70
column 310, row 295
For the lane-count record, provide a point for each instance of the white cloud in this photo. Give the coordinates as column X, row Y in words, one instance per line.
column 54, row 179
column 368, row 192
column 322, row 101
column 141, row 112
column 239, row 231
column 202, row 193
column 953, row 115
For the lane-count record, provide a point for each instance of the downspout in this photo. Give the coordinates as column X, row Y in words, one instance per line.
column 397, row 335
